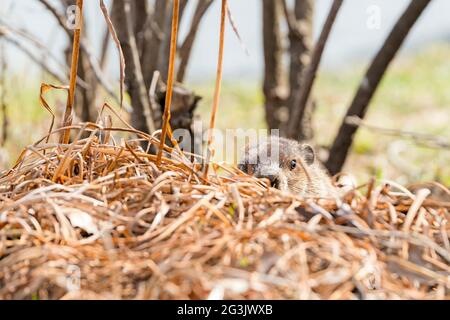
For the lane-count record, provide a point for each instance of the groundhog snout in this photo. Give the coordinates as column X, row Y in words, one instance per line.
column 292, row 167
column 270, row 172
column 274, row 180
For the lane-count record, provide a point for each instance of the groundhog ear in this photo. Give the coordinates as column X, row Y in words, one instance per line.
column 308, row 154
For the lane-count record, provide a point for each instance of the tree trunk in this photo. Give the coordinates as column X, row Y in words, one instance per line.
column 152, row 50
column 88, row 95
column 141, row 14
column 149, row 43
column 301, row 113
column 276, row 111
column 138, row 119
column 300, row 23
column 372, row 79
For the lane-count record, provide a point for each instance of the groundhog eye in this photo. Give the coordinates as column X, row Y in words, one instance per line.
column 293, row 164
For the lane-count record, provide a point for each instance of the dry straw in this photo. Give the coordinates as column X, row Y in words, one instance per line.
column 136, row 230
column 68, row 114
column 210, row 146
column 101, row 218
column 170, row 78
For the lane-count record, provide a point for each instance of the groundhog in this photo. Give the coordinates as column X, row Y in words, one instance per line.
column 289, row 166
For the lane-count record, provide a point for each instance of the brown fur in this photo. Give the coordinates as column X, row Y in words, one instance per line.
column 295, row 169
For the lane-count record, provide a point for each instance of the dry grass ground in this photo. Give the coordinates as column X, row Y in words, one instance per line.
column 98, row 218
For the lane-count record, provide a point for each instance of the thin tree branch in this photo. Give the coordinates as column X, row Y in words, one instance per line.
column 42, row 64
column 33, row 40
column 105, row 44
column 186, row 47
column 236, row 31
column 377, row 69
column 428, row 140
column 113, row 33
column 165, row 49
column 94, row 64
column 59, row 17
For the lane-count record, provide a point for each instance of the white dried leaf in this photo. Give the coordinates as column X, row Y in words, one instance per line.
column 82, row 220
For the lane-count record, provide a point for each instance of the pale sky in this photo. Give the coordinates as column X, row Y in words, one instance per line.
column 351, row 39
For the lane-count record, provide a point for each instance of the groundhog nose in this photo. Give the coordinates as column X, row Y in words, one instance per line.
column 273, row 180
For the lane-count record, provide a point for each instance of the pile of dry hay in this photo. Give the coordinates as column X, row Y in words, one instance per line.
column 106, row 212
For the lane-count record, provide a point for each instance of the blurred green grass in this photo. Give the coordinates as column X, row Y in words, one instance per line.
column 28, row 121
column 414, row 96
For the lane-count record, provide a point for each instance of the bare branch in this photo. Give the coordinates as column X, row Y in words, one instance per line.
column 236, row 31
column 30, row 53
column 372, row 79
column 165, row 49
column 42, row 64
column 114, row 36
column 33, row 40
column 186, row 47
column 86, row 49
column 105, row 44
column 59, row 17
column 429, row 140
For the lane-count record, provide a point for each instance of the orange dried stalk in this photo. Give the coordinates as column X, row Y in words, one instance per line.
column 212, row 124
column 170, row 78
column 68, row 114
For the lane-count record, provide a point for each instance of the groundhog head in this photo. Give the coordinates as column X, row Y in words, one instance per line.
column 285, row 163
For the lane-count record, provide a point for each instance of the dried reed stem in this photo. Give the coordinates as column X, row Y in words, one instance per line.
column 170, row 76
column 210, row 148
column 68, row 114
column 57, row 199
